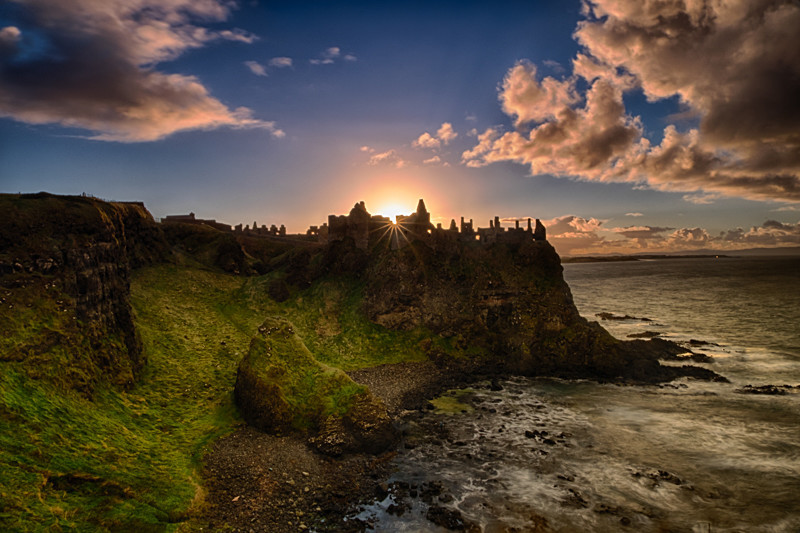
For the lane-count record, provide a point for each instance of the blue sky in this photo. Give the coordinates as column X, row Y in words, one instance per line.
column 625, row 125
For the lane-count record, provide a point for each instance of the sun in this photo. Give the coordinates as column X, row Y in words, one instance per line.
column 391, row 209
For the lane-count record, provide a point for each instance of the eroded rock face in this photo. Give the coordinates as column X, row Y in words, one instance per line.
column 79, row 251
column 509, row 300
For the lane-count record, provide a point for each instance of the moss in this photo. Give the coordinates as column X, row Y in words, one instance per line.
column 280, row 387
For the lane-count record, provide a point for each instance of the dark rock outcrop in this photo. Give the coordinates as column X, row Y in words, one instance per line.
column 510, row 302
column 76, row 252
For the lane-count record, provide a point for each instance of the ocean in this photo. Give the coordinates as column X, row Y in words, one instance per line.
column 566, row 456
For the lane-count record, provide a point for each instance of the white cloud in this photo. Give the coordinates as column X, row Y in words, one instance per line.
column 702, row 198
column 330, row 55
column 9, row 35
column 445, row 133
column 426, row 140
column 256, row 68
column 634, row 214
column 389, row 157
column 435, row 160
column 280, row 62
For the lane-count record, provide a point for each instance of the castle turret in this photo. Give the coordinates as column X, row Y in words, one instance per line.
column 539, row 234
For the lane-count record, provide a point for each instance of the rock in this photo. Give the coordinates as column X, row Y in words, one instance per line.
column 612, row 316
column 644, row 335
column 447, row 518
column 775, row 390
column 276, row 359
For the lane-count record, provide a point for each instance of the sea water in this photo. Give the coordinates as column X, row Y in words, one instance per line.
column 553, row 455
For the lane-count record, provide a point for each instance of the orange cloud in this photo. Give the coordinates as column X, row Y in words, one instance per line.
column 737, row 69
column 104, row 79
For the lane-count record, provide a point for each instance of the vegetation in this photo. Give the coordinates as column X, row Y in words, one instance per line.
column 280, row 385
column 129, row 460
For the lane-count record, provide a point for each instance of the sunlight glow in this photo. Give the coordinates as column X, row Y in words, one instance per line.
column 392, row 209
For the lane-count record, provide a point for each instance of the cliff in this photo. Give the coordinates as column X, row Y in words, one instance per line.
column 508, row 303
column 64, row 271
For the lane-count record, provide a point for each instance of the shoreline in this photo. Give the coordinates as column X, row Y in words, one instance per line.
column 261, row 482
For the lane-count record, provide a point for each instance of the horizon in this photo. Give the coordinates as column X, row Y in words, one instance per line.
column 286, row 112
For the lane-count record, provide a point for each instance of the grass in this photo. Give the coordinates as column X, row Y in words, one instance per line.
column 329, row 318
column 129, row 461
column 283, row 385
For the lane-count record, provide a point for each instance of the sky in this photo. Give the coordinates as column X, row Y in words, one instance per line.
column 626, row 126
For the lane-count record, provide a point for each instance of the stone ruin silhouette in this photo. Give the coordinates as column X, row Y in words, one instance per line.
column 367, row 230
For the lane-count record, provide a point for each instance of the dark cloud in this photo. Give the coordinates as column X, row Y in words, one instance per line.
column 734, row 66
column 642, row 232
column 90, row 64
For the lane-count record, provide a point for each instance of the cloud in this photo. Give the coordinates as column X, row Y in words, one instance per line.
column 445, row 133
column 390, row 157
column 642, row 232
column 771, row 233
column 554, row 65
column 426, row 140
column 443, row 136
column 787, row 208
column 531, row 101
column 735, row 68
column 435, row 160
column 92, row 65
column 687, row 238
column 569, row 233
column 583, row 141
column 702, row 198
column 256, row 68
column 634, row 214
column 280, row 62
column 330, row 55
column 9, row 35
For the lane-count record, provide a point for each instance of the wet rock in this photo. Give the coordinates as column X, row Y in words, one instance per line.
column 644, row 335
column 695, row 342
column 612, row 316
column 775, row 390
column 447, row 518
column 574, row 499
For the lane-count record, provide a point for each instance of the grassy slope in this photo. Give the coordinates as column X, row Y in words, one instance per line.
column 129, row 460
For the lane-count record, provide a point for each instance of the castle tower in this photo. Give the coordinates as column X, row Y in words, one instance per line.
column 539, row 234
column 423, row 218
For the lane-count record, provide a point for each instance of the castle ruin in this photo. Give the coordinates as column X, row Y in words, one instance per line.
column 367, row 230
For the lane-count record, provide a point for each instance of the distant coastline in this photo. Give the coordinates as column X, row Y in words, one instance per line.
column 700, row 254
column 617, row 258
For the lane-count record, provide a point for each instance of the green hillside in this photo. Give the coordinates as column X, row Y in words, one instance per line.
column 129, row 460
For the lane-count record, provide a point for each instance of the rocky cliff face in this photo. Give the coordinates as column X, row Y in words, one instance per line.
column 510, row 301
column 64, row 267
